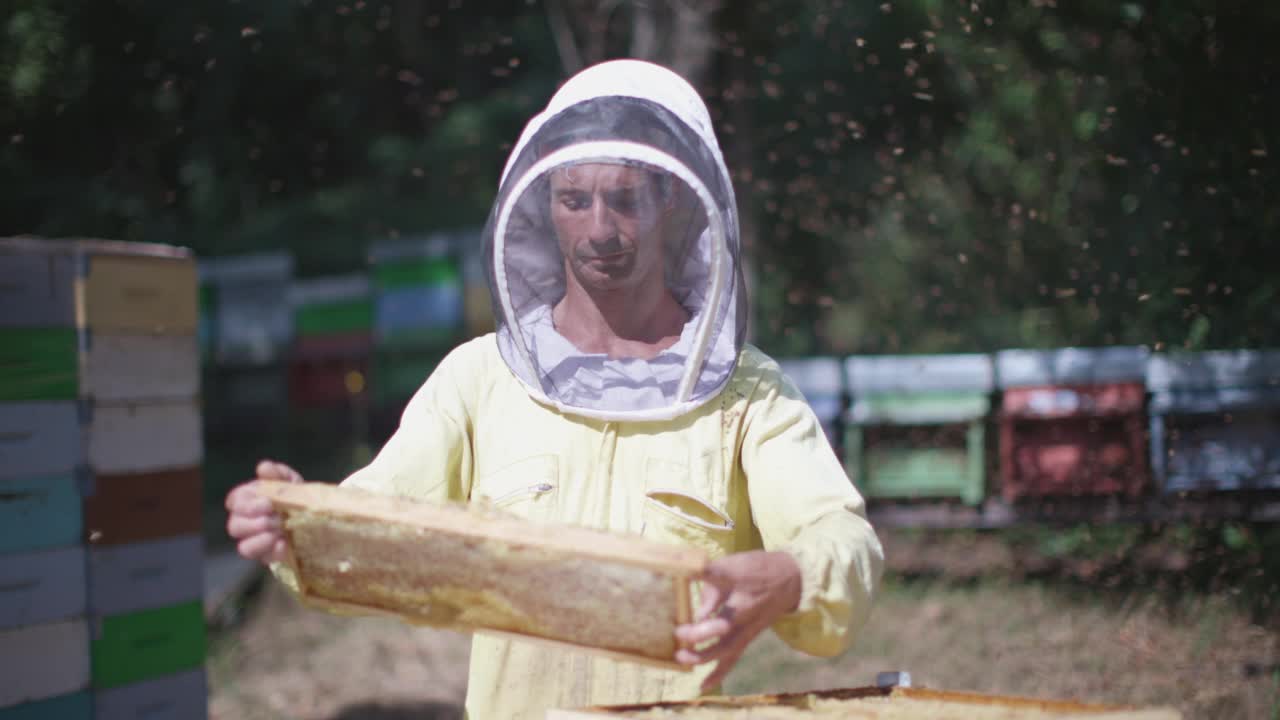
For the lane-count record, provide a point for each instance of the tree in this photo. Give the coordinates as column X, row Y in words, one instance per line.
column 676, row 33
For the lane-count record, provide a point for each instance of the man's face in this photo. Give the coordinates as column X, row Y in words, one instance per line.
column 608, row 219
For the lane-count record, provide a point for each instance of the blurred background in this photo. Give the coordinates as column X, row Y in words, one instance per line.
column 916, row 179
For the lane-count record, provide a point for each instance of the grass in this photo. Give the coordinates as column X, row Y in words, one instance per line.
column 287, row 662
column 1275, row 693
column 1164, row 616
column 998, row 636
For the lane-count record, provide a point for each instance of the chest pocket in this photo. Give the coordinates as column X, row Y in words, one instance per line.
column 527, row 488
column 673, row 510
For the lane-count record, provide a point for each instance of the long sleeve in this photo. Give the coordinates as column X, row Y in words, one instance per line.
column 803, row 503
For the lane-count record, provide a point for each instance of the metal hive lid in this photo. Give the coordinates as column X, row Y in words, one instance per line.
column 1214, row 369
column 814, row 376
column 251, row 267
column 1020, row 368
column 1184, row 400
column 329, row 288
column 414, row 247
column 28, row 244
column 919, row 373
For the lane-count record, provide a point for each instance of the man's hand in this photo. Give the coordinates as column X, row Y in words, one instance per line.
column 252, row 522
column 742, row 595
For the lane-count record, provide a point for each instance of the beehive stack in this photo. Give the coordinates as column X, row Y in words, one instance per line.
column 871, row 703
column 418, row 312
column 470, row 568
column 100, row 491
column 250, row 332
column 333, row 340
column 477, row 305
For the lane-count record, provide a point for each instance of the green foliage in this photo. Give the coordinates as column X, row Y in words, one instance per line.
column 232, row 127
column 1098, row 542
column 962, row 177
column 915, row 176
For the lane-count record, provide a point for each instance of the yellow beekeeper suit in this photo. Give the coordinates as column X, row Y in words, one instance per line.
column 707, row 444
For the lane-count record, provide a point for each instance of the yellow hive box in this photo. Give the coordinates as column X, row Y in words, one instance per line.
column 475, row 569
column 109, row 287
column 870, row 703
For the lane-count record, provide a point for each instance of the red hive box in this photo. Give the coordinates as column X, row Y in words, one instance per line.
column 1072, row 422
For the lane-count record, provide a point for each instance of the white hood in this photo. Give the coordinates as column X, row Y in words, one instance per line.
column 630, row 114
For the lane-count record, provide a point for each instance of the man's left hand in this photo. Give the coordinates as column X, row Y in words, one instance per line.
column 742, row 595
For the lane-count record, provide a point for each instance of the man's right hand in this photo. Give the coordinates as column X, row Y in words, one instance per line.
column 251, row 520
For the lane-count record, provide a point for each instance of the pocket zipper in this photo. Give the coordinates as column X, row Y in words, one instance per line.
column 728, row 521
column 534, row 490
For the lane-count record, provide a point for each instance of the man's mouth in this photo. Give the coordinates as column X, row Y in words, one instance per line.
column 610, row 257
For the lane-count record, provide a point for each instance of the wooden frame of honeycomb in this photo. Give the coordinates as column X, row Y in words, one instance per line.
column 870, row 703
column 475, row 569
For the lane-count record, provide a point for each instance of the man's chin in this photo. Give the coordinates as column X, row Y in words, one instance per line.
column 606, row 275
column 593, row 280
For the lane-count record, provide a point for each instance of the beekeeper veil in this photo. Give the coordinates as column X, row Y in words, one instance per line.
column 620, row 180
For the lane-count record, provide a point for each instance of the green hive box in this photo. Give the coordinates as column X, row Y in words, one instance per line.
column 207, row 327
column 413, row 272
column 335, row 318
column 334, row 305
column 924, row 445
column 137, row 646
column 39, row 364
column 917, row 426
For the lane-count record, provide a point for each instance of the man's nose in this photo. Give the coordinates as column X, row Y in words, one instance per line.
column 601, row 227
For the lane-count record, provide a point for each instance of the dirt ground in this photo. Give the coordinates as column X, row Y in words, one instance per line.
column 950, row 613
column 285, row 661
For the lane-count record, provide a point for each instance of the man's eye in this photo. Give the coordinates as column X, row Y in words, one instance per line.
column 624, row 202
column 574, row 203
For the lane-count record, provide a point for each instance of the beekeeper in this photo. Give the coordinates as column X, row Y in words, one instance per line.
column 618, row 393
